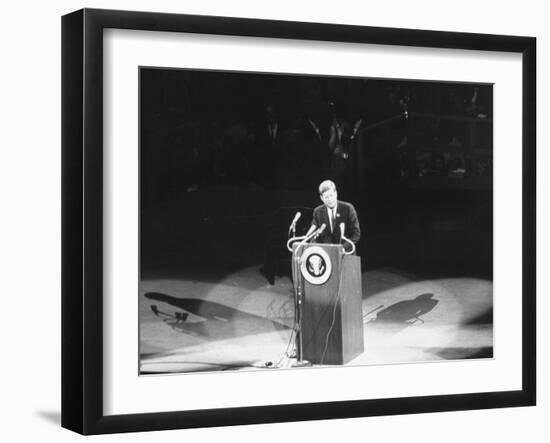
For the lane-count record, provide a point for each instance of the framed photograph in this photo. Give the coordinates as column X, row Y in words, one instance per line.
column 269, row 221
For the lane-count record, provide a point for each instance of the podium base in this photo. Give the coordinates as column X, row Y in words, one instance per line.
column 291, row 362
column 301, row 364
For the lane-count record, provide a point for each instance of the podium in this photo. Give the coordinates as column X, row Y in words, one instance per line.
column 329, row 303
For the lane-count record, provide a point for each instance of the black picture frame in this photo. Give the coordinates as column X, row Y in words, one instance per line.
column 82, row 220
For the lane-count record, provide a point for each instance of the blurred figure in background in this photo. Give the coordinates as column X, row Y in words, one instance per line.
column 339, row 147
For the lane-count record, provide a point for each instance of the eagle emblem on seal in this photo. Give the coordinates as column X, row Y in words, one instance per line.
column 316, row 266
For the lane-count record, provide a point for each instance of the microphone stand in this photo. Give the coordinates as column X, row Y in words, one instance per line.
column 292, row 240
column 292, row 229
column 298, row 292
column 352, row 246
column 298, row 303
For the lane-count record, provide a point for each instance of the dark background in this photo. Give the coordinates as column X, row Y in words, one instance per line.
column 215, row 196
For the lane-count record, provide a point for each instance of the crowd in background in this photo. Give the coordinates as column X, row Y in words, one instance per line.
column 204, row 128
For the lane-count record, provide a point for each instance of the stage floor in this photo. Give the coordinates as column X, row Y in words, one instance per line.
column 238, row 321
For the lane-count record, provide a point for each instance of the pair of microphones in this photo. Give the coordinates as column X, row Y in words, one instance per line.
column 310, row 232
column 322, row 228
column 316, row 233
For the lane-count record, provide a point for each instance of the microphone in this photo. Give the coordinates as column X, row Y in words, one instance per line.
column 310, row 230
column 342, row 230
column 320, row 231
column 293, row 224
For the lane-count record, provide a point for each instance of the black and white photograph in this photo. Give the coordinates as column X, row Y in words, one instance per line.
column 298, row 221
column 270, row 221
column 260, row 221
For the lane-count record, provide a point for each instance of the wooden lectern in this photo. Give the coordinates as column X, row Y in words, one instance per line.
column 329, row 303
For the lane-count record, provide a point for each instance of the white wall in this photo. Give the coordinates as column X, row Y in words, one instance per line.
column 30, row 218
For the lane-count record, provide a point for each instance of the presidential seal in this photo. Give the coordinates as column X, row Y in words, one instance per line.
column 316, row 266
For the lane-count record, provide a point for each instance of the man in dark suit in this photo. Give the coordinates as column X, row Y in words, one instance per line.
column 333, row 213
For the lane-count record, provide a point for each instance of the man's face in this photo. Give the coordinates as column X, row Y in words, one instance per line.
column 329, row 198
